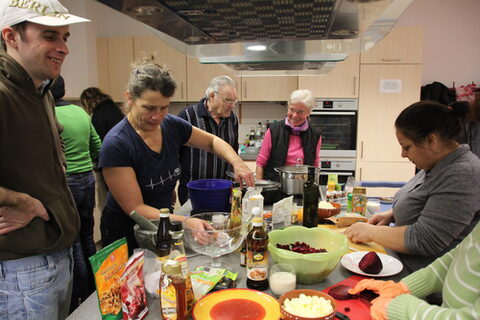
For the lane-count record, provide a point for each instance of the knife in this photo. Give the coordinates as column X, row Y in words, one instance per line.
column 341, row 316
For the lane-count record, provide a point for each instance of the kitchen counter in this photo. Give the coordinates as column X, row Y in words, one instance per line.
column 90, row 310
column 249, row 157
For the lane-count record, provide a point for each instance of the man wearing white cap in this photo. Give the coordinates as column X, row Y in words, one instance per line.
column 38, row 219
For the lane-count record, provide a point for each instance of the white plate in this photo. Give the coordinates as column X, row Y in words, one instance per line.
column 391, row 265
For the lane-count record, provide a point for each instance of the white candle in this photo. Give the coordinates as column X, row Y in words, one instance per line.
column 281, row 282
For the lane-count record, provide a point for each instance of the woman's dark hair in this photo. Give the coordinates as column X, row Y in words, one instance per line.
column 92, row 97
column 476, row 109
column 420, row 119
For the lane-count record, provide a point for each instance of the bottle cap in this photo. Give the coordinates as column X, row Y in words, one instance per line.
column 164, row 213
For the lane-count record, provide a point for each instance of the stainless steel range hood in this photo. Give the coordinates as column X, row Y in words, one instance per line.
column 267, row 37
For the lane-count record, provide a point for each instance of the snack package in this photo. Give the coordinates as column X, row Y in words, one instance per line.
column 134, row 299
column 204, row 279
column 282, row 213
column 108, row 265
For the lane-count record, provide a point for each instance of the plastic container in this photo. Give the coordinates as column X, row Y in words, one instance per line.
column 210, row 195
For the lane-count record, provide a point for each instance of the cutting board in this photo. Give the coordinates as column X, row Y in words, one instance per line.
column 367, row 246
column 358, row 309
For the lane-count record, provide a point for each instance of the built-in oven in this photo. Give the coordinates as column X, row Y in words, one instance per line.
column 342, row 167
column 336, row 119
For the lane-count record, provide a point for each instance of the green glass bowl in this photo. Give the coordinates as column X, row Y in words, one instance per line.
column 313, row 267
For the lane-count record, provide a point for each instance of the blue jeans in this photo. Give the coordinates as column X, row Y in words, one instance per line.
column 37, row 287
column 82, row 187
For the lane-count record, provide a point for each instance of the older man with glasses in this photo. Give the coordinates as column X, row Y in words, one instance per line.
column 213, row 114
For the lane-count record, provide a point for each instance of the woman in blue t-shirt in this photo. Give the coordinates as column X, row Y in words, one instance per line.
column 139, row 156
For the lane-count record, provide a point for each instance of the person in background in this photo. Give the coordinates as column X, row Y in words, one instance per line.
column 213, row 114
column 38, row 218
column 105, row 113
column 291, row 141
column 455, row 275
column 139, row 156
column 471, row 117
column 439, row 206
column 82, row 146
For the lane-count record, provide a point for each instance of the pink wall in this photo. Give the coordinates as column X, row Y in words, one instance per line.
column 452, row 39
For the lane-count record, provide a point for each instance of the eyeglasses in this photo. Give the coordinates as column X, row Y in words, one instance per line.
column 227, row 100
column 297, row 111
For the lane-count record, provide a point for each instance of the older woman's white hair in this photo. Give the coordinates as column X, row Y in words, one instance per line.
column 304, row 97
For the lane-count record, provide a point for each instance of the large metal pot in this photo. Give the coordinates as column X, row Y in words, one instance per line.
column 292, row 178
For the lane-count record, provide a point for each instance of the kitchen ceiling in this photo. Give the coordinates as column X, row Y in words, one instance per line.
column 260, row 37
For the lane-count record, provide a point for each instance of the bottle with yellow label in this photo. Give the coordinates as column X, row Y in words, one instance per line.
column 177, row 253
column 257, row 256
column 173, row 301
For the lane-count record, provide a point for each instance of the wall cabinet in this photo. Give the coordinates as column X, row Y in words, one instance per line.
column 164, row 55
column 268, row 88
column 341, row 82
column 401, row 45
column 378, row 110
column 115, row 57
column 199, row 77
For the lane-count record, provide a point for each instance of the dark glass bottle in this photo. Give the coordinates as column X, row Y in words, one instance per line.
column 257, row 256
column 164, row 239
column 311, row 194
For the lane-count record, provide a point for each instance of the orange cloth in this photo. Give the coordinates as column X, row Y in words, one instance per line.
column 385, row 289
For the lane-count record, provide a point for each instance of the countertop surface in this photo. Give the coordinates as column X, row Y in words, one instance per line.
column 249, row 157
column 90, row 309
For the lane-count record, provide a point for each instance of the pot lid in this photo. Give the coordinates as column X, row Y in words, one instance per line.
column 293, row 169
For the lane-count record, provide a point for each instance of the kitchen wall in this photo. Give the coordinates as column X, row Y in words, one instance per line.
column 451, row 50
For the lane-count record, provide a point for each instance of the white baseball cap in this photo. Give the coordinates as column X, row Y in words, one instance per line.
column 46, row 12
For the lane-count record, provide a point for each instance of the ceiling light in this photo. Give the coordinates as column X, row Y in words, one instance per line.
column 257, row 47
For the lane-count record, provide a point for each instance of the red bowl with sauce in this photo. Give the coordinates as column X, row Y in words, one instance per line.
column 234, row 304
column 295, row 294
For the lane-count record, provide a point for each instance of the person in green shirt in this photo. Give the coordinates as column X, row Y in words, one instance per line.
column 82, row 146
column 456, row 275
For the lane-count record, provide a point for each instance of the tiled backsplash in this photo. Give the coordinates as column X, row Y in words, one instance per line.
column 251, row 114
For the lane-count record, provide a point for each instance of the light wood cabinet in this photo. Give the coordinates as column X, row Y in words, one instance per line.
column 164, row 55
column 268, row 88
column 378, row 110
column 341, row 82
column 115, row 57
column 199, row 76
column 401, row 45
column 401, row 171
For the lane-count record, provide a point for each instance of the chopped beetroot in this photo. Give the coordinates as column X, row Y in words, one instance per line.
column 300, row 247
column 340, row 292
column 347, row 309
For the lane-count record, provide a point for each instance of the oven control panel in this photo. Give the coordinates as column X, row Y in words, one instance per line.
column 336, row 104
column 338, row 164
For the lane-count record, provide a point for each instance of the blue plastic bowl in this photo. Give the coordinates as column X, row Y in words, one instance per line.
column 210, row 195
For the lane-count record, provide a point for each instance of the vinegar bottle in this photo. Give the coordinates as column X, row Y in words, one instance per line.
column 311, row 194
column 177, row 253
column 164, row 239
column 257, row 256
column 173, row 300
column 236, row 211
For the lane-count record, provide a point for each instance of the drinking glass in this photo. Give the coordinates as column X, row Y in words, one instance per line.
column 282, row 278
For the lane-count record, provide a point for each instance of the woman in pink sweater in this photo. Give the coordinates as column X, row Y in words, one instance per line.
column 291, row 140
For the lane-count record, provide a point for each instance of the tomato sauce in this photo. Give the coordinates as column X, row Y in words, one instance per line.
column 236, row 309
